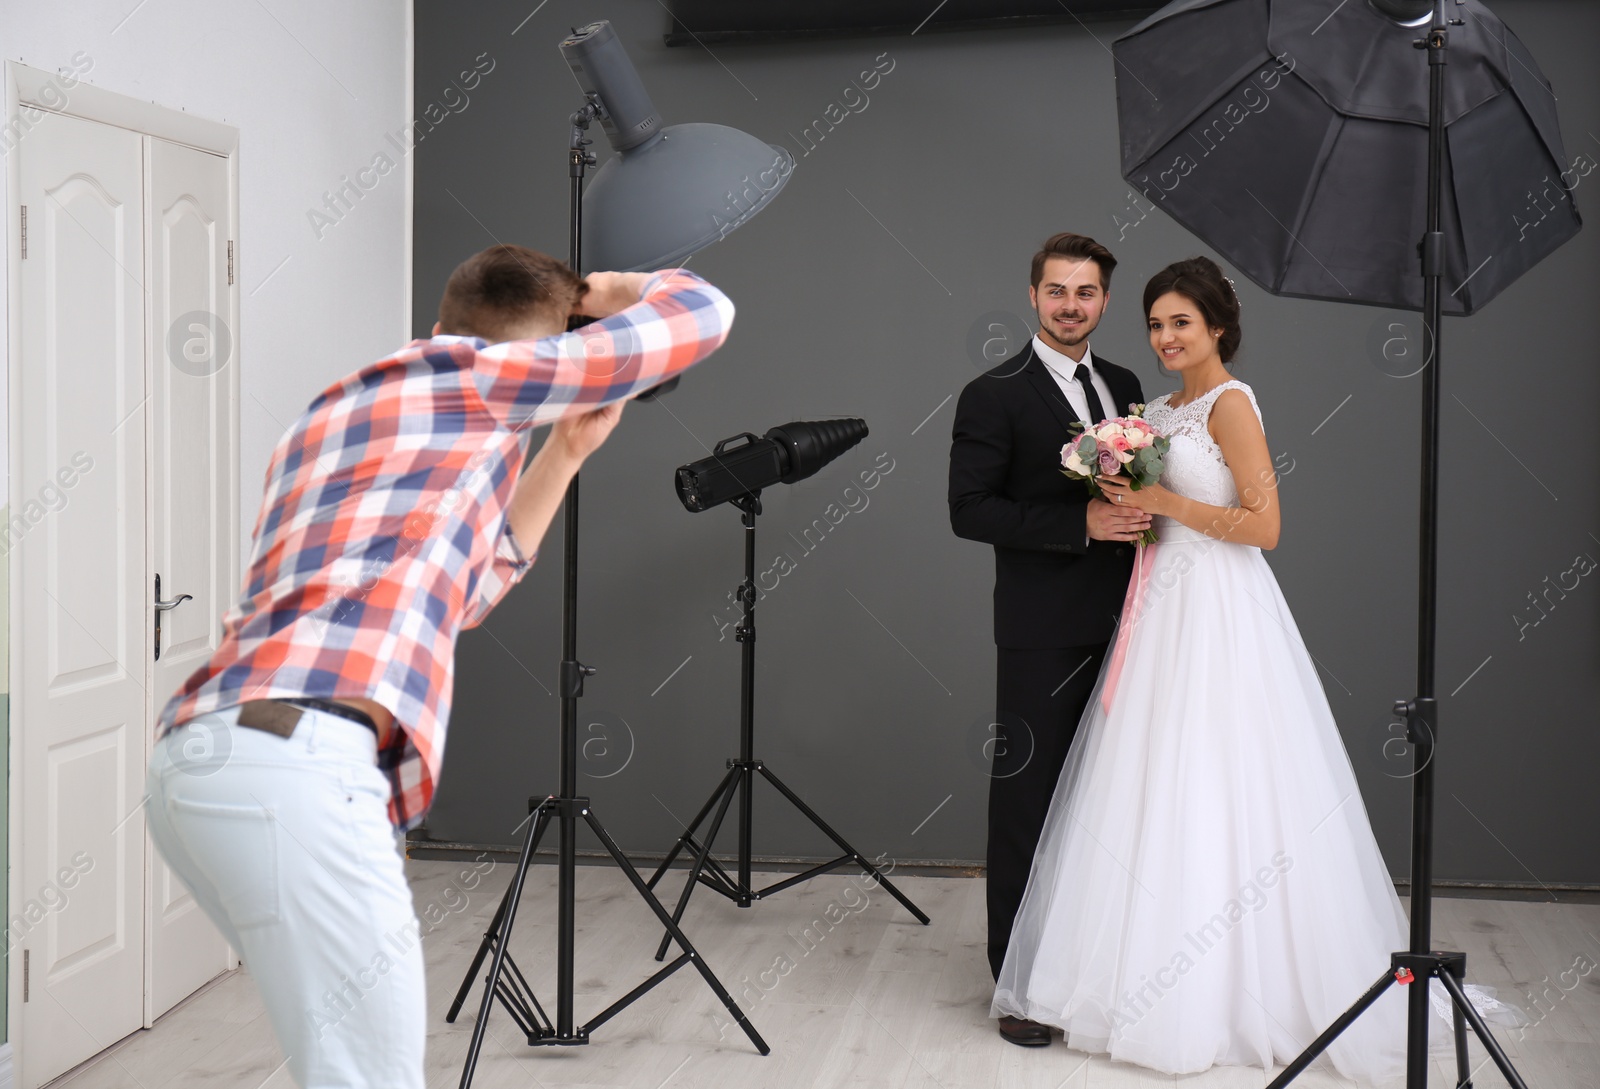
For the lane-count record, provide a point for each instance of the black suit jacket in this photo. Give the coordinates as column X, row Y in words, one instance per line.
column 1006, row 489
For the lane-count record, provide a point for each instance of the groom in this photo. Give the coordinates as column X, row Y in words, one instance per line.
column 1062, row 560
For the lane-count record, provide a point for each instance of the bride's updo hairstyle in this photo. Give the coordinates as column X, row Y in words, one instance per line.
column 1199, row 279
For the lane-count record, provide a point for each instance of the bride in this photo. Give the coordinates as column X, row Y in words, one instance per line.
column 1207, row 889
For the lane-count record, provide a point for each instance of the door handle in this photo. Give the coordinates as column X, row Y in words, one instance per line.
column 163, row 606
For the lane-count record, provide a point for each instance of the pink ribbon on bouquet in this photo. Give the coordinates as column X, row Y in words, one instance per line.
column 1132, row 602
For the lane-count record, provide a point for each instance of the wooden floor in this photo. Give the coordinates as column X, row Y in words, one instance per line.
column 868, row 998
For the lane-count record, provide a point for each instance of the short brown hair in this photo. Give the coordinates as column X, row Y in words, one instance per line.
column 493, row 292
column 1084, row 248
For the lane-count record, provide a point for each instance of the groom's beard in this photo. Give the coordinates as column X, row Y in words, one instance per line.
column 1059, row 336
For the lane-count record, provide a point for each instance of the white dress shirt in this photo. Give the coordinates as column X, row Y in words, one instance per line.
column 1062, row 368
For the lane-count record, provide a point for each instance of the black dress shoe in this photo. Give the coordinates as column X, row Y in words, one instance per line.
column 1024, row 1033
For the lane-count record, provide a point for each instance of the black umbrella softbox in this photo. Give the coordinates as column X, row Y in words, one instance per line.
column 1294, row 141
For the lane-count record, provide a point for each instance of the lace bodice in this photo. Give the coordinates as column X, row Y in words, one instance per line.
column 1195, row 466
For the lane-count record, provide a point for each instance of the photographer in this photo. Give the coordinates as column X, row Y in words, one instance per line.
column 394, row 517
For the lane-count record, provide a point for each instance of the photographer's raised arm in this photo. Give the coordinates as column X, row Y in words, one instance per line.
column 651, row 328
column 678, row 321
column 534, row 502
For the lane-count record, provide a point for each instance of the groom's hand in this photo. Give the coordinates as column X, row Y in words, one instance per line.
column 1110, row 522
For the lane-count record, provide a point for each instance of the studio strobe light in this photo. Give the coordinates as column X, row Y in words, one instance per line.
column 788, row 453
column 736, row 475
column 667, row 192
column 653, row 204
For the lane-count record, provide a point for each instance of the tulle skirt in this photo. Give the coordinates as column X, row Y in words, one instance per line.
column 1207, row 889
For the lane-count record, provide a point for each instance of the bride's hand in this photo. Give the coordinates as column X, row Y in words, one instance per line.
column 1152, row 498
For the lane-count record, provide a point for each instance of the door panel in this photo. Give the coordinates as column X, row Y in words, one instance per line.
column 193, row 523
column 77, row 539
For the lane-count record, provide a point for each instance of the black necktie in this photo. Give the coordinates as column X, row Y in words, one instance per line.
column 1097, row 411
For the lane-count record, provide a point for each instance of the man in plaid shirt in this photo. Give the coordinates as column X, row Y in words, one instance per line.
column 394, row 517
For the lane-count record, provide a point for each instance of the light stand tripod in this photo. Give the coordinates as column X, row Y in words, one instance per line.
column 1418, row 965
column 566, row 807
column 739, row 779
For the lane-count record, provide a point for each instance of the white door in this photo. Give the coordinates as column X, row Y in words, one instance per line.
column 193, row 517
column 78, row 543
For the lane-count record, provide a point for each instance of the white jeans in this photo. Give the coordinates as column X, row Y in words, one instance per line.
column 287, row 846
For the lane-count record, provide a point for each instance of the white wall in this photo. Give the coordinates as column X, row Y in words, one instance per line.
column 313, row 87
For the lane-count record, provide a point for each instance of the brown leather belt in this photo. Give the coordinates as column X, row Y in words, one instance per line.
column 280, row 716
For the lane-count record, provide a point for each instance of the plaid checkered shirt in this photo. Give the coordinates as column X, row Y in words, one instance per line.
column 383, row 532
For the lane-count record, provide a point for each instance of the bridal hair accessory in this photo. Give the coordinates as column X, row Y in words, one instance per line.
column 1235, row 289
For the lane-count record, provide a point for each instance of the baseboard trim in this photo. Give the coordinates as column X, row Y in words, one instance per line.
column 1567, row 893
column 435, row 850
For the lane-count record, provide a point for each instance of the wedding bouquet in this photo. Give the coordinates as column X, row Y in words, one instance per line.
column 1122, row 445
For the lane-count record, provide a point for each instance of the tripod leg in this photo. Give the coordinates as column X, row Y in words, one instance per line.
column 1463, row 1067
column 861, row 860
column 729, row 785
column 677, row 934
column 687, row 838
column 477, row 959
column 1345, row 1020
column 725, row 883
column 1464, row 1009
column 490, row 935
column 513, row 894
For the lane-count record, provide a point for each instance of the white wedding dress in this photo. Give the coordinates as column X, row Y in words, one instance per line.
column 1207, row 889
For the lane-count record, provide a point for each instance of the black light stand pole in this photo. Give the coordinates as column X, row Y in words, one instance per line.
column 739, row 779
column 567, row 807
column 1419, row 965
column 1422, row 712
column 572, row 673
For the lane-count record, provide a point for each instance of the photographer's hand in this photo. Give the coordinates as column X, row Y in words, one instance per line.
column 543, row 484
column 609, row 293
column 582, row 434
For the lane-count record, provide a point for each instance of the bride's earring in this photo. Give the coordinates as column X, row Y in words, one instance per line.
column 1218, row 333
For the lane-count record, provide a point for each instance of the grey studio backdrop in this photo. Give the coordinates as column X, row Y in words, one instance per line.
column 889, row 273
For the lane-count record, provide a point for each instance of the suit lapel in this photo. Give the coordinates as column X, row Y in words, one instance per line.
column 1044, row 385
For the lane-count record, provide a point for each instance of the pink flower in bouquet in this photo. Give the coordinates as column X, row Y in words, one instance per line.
column 1124, row 446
